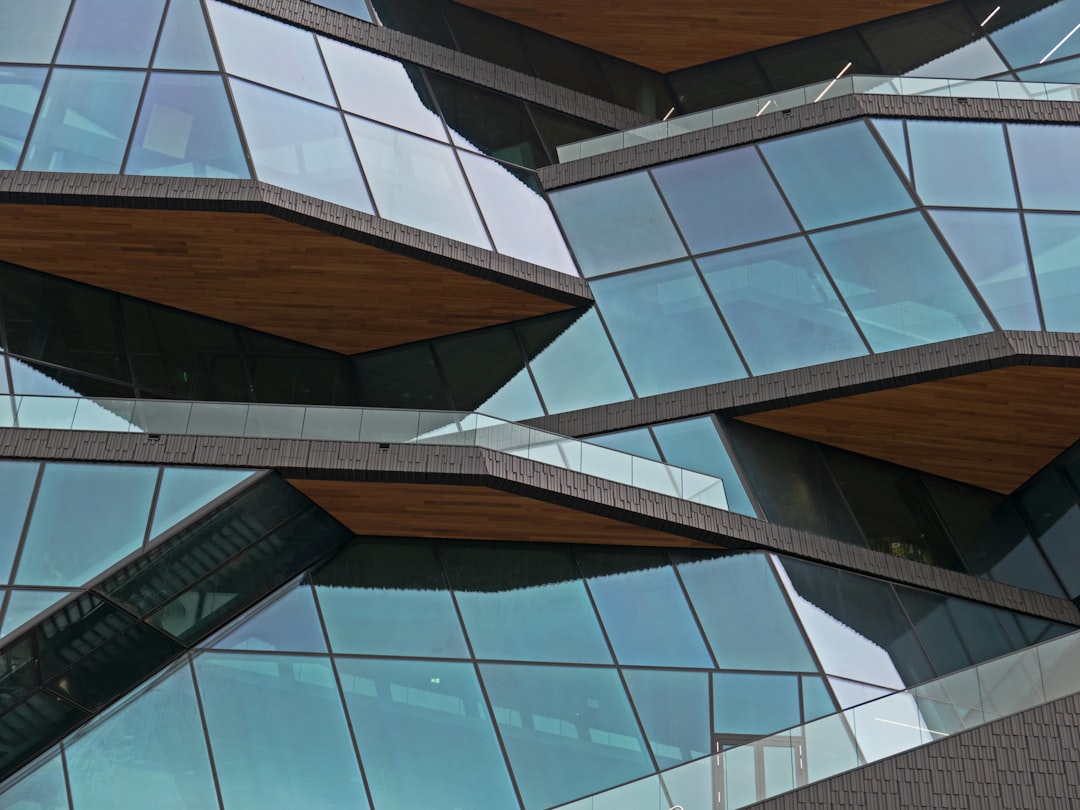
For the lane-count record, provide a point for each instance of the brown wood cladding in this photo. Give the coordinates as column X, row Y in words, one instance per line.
column 994, row 429
column 669, row 36
column 472, row 513
column 261, row 272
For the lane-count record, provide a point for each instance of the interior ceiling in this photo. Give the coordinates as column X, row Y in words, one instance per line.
column 994, row 429
column 669, row 36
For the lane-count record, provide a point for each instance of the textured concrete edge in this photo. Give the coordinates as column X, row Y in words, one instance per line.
column 1026, row 760
column 472, row 69
column 255, row 197
column 809, row 116
column 475, row 466
column 841, row 378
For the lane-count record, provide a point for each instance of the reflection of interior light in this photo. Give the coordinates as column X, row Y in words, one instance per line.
column 989, row 16
column 1060, row 44
column 763, row 108
column 668, row 114
column 843, row 70
column 908, row 725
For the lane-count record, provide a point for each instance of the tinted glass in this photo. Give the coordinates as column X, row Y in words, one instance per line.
column 25, row 605
column 925, row 300
column 43, row 788
column 666, row 329
column 186, row 128
column 556, row 129
column 85, row 121
column 1045, row 170
column 617, row 223
column 491, row 38
column 28, row 33
column 674, row 710
column 425, row 735
column 1054, row 249
column 185, row 490
column 16, row 485
column 1051, row 512
column 185, row 42
column 20, row 88
column 695, row 445
column 289, row 622
column 117, row 33
column 961, row 163
column 835, row 175
column 404, row 377
column 354, row 8
column 745, row 703
column 286, row 372
column 955, row 633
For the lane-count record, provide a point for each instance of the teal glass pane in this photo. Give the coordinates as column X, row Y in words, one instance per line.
column 954, row 632
column 20, row 89
column 899, row 283
column 990, row 247
column 524, row 604
column 1055, row 250
column 1040, row 35
column 892, row 133
column 694, row 444
column 780, row 306
column 16, row 486
column 836, row 174
column 516, row 400
column 278, row 732
column 185, row 490
column 111, row 33
column 643, row 609
column 425, row 735
column 25, row 605
column 575, row 722
column 817, row 702
column 289, row 623
column 186, row 129
column 961, row 163
column 765, row 636
column 666, row 329
column 637, row 442
column 1046, row 171
column 724, row 199
column 104, row 508
column 300, row 146
column 557, row 367
column 1066, row 72
column 617, row 223
column 417, row 182
column 746, row 703
column 85, row 121
column 41, row 788
column 674, row 711
column 354, row 8
column 388, row 598
column 150, row 752
column 185, row 41
column 29, row 31
column 270, row 52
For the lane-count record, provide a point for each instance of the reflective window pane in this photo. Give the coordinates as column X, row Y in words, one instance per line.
column 1034, row 37
column 114, row 33
column 674, row 711
column 270, row 52
column 42, row 788
column 1053, row 515
column 25, row 605
column 20, row 89
column 1055, row 249
column 666, row 329
column 636, row 442
column 85, row 121
column 961, row 163
column 185, row 490
column 354, row 8
column 892, row 133
column 426, row 737
column 300, row 146
column 724, row 199
column 185, row 40
column 617, row 223
column 16, row 486
column 954, row 632
column 288, row 623
column 835, row 175
column 28, row 32
column 417, row 182
column 745, row 703
column 924, row 299
column 1046, row 171
column 695, row 445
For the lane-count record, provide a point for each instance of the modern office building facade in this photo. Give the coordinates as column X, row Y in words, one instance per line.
column 403, row 407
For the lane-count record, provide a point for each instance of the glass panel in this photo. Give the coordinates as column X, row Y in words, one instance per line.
column 1011, row 684
column 666, row 329
column 745, row 703
column 617, row 223
column 850, row 693
column 383, row 89
column 388, row 598
column 114, row 33
column 29, row 33
column 149, row 752
column 955, row 633
column 780, row 307
column 20, row 89
column 299, row 145
column 1035, row 37
column 724, row 199
column 637, row 442
column 42, row 788
column 1053, row 515
column 270, row 52
column 85, row 121
column 17, row 480
column 25, row 605
column 293, row 373
column 515, row 401
column 892, row 133
column 288, row 623
column 425, row 735
column 572, row 721
column 643, row 609
column 403, row 377
column 298, row 755
column 817, row 701
column 925, row 300
column 744, row 585
column 106, row 507
column 185, row 490
column 694, row 444
column 1045, row 170
column 1055, row 249
column 417, row 182
column 517, row 214
column 185, row 42
column 961, row 163
column 1059, row 662
column 186, row 129
column 835, row 175
column 354, row 8
column 674, row 711
column 524, row 603
column 829, row 748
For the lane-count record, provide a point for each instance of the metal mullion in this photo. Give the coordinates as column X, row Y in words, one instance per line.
column 153, row 506
column 1022, row 216
column 225, row 80
column 205, row 728
column 145, row 87
column 737, row 465
column 697, row 622
column 67, row 775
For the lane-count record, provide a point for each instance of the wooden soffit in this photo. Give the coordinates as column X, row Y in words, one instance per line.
column 994, row 429
column 262, row 272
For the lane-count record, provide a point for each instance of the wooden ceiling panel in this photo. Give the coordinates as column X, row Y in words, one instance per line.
column 994, row 429
column 260, row 272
